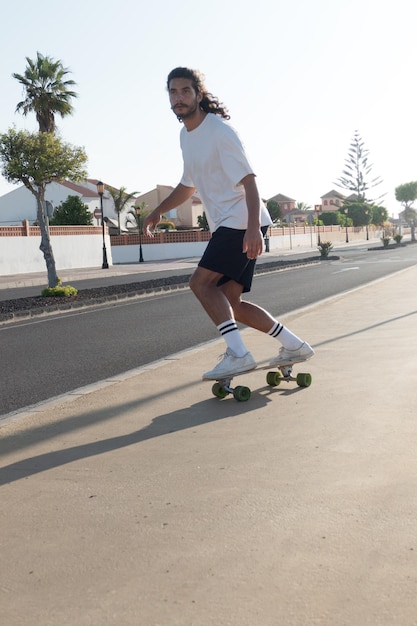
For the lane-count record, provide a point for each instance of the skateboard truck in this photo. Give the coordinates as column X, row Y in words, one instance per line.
column 223, row 387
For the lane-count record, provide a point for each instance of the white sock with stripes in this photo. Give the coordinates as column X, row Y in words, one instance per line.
column 231, row 334
column 285, row 337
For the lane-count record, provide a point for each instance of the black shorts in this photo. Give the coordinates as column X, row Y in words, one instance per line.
column 224, row 255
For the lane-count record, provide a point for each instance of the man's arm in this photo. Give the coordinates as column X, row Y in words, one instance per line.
column 253, row 240
column 180, row 194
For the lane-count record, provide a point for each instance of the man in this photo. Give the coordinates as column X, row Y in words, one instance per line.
column 216, row 166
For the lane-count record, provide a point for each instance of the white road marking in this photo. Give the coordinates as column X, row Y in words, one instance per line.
column 346, row 269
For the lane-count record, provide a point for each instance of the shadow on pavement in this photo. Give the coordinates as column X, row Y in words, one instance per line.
column 195, row 415
column 200, row 413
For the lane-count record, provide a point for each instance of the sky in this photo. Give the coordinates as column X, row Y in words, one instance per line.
column 299, row 78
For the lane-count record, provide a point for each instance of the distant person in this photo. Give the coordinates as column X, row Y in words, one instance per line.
column 216, row 166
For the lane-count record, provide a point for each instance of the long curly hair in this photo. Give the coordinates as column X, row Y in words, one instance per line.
column 209, row 103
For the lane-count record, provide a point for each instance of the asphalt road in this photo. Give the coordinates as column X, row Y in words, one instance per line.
column 46, row 357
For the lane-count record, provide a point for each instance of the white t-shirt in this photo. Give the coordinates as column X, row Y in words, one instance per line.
column 214, row 163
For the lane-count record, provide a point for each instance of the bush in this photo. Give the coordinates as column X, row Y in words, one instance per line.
column 325, row 247
column 60, row 291
column 330, row 218
column 398, row 238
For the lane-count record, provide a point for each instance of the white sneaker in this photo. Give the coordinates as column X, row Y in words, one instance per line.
column 286, row 357
column 231, row 365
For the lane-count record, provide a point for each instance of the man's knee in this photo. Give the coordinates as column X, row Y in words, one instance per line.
column 203, row 279
column 233, row 292
column 193, row 283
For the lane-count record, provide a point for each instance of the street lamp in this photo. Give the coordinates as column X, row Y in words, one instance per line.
column 100, row 191
column 310, row 220
column 345, row 211
column 317, row 209
column 367, row 224
column 139, row 220
column 288, row 220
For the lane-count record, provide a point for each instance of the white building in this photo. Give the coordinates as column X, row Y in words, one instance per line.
column 20, row 204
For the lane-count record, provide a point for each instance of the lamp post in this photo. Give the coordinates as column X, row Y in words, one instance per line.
column 317, row 209
column 100, row 191
column 139, row 220
column 367, row 224
column 310, row 220
column 345, row 211
column 288, row 220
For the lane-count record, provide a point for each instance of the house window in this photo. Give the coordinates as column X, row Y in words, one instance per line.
column 325, row 203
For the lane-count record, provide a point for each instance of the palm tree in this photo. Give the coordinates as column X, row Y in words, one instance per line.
column 46, row 91
column 303, row 206
column 120, row 199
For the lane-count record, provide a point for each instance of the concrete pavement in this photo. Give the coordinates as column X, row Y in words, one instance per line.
column 145, row 501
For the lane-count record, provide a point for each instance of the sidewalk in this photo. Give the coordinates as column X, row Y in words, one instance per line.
column 145, row 501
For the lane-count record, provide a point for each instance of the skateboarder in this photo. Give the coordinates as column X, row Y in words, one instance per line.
column 217, row 168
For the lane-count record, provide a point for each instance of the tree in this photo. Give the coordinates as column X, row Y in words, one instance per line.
column 345, row 220
column 37, row 159
column 136, row 215
column 355, row 176
column 359, row 212
column 120, row 199
column 407, row 195
column 329, row 218
column 202, row 222
column 45, row 90
column 71, row 212
column 303, row 206
column 275, row 210
column 379, row 215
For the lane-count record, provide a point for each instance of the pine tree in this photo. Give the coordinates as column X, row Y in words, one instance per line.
column 355, row 176
column 72, row 212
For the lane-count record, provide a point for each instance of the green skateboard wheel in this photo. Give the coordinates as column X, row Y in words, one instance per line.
column 218, row 390
column 304, row 380
column 241, row 394
column 273, row 379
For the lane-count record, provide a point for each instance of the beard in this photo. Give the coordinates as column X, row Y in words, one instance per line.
column 186, row 110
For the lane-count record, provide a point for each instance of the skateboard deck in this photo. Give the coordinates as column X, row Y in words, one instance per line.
column 277, row 374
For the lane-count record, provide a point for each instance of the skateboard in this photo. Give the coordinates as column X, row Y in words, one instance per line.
column 282, row 373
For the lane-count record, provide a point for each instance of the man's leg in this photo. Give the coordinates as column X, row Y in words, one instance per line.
column 254, row 316
column 244, row 312
column 203, row 284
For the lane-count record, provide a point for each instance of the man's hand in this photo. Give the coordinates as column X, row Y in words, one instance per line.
column 253, row 243
column 151, row 223
column 178, row 196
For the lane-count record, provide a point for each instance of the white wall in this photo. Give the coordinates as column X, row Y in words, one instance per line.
column 284, row 243
column 165, row 251
column 21, row 255
column 158, row 252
